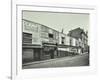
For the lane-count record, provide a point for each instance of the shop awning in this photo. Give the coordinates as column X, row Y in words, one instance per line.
column 31, row 46
column 63, row 49
column 67, row 46
column 49, row 45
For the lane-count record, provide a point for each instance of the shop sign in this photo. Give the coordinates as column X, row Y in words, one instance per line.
column 29, row 26
column 62, row 49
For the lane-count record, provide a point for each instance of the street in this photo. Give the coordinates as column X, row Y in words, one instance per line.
column 78, row 60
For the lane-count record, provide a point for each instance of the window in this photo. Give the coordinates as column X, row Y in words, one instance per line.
column 76, row 42
column 71, row 43
column 50, row 35
column 63, row 39
column 27, row 38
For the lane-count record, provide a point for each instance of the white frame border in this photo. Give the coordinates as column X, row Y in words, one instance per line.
column 15, row 31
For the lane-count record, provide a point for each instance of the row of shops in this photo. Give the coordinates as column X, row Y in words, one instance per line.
column 40, row 42
column 46, row 51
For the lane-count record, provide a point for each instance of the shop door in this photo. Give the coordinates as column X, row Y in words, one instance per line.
column 36, row 54
column 52, row 54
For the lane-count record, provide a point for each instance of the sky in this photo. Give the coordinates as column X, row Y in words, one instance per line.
column 59, row 21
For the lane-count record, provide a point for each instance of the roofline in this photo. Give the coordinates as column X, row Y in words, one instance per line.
column 80, row 29
column 43, row 25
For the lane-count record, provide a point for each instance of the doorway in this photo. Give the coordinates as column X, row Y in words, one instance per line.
column 36, row 54
column 52, row 54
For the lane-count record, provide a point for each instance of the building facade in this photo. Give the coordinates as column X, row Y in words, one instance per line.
column 40, row 42
column 78, row 40
column 31, row 42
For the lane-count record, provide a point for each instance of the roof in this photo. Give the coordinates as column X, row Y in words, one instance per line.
column 76, row 33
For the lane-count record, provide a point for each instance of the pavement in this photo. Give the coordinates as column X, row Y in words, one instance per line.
column 69, row 61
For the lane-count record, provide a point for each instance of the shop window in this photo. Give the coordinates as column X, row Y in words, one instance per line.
column 27, row 37
column 46, row 53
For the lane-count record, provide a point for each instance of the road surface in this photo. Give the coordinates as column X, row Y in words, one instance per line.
column 79, row 60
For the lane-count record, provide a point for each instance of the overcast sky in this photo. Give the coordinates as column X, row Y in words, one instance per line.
column 57, row 21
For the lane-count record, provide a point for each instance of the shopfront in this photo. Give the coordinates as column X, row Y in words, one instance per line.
column 31, row 53
column 50, row 51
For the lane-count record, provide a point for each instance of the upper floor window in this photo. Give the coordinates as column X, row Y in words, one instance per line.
column 27, row 37
column 71, row 42
column 51, row 35
column 63, row 40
